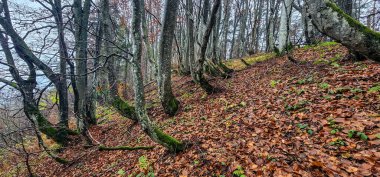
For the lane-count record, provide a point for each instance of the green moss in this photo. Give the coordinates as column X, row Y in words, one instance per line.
column 172, row 106
column 225, row 68
column 354, row 23
column 61, row 160
column 72, row 132
column 14, row 85
column 45, row 126
column 173, row 144
column 237, row 64
column 328, row 43
column 58, row 135
column 124, row 108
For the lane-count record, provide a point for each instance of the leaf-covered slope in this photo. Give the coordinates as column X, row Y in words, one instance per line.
column 318, row 117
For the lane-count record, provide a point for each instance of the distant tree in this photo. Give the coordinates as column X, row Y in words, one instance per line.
column 346, row 6
column 106, row 44
column 190, row 51
column 225, row 27
column 283, row 36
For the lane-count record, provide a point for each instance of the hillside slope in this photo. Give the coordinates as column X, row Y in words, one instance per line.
column 320, row 116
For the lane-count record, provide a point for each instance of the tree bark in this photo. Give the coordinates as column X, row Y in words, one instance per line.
column 168, row 100
column 85, row 109
column 226, row 26
column 346, row 6
column 330, row 20
column 190, row 35
column 286, row 11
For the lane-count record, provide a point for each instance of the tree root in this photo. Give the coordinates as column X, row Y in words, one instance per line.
column 105, row 148
column 217, row 69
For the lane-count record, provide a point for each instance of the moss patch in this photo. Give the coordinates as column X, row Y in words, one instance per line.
column 47, row 128
column 124, row 108
column 173, row 144
column 172, row 107
column 237, row 64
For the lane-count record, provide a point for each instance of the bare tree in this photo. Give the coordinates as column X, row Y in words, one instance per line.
column 58, row 79
column 168, row 101
column 283, row 38
column 86, row 113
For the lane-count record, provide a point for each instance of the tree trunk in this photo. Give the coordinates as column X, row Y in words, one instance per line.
column 147, row 125
column 270, row 26
column 199, row 78
column 168, row 101
column 309, row 32
column 226, row 26
column 243, row 25
column 84, row 114
column 346, row 6
column 330, row 20
column 190, row 35
column 256, row 27
column 215, row 39
column 63, row 54
column 283, row 40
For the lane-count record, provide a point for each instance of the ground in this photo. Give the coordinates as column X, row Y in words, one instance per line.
column 317, row 117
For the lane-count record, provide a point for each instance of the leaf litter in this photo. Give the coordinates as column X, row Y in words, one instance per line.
column 295, row 127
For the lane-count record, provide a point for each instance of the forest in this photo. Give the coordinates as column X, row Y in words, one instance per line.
column 145, row 88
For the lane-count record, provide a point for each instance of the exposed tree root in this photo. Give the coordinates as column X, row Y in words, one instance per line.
column 217, row 69
column 105, row 148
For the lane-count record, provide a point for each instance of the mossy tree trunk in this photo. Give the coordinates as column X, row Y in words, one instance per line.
column 199, row 78
column 26, row 86
column 147, row 125
column 104, row 44
column 63, row 56
column 168, row 100
column 330, row 20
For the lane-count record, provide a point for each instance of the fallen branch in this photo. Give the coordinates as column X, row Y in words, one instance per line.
column 105, row 148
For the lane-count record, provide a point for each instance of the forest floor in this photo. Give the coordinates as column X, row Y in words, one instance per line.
column 314, row 118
